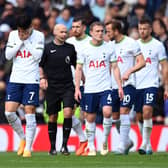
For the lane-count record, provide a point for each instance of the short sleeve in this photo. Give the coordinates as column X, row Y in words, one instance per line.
column 136, row 48
column 80, row 57
column 161, row 52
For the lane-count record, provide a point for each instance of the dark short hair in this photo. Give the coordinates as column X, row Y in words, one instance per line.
column 79, row 18
column 96, row 24
column 116, row 25
column 145, row 20
column 23, row 21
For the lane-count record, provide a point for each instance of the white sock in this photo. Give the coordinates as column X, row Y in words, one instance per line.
column 124, row 129
column 107, row 124
column 90, row 132
column 117, row 124
column 76, row 125
column 30, row 130
column 140, row 125
column 16, row 124
column 147, row 129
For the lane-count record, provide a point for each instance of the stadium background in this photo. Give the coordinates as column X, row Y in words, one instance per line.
column 45, row 14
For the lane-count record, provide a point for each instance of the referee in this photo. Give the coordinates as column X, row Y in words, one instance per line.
column 56, row 78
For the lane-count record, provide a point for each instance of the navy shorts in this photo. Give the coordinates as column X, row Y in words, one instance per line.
column 26, row 94
column 128, row 101
column 94, row 100
column 145, row 96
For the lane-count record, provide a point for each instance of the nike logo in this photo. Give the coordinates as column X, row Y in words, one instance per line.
column 30, row 101
column 52, row 51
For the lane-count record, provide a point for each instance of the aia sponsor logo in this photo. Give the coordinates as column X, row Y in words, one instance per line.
column 24, row 54
column 97, row 64
column 119, row 59
column 148, row 60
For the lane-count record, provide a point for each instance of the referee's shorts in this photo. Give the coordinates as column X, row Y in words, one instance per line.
column 56, row 95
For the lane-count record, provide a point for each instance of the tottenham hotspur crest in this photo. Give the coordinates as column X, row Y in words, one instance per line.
column 67, row 59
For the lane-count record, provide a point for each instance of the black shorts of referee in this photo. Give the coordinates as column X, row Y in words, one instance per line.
column 56, row 95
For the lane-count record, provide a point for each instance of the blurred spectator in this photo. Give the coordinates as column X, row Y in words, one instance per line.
column 138, row 13
column 13, row 2
column 5, row 29
column 47, row 8
column 65, row 18
column 8, row 16
column 119, row 10
column 2, row 4
column 160, row 32
column 78, row 8
column 47, row 33
column 55, row 13
column 51, row 23
column 89, row 18
column 36, row 23
column 99, row 9
column 22, row 7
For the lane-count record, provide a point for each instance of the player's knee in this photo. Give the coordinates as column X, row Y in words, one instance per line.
column 30, row 109
column 147, row 112
column 10, row 116
column 68, row 112
column 53, row 118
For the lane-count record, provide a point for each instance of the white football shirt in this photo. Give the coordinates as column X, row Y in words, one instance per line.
column 26, row 56
column 79, row 44
column 153, row 52
column 97, row 61
column 126, row 51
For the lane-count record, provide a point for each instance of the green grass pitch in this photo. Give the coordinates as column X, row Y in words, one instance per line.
column 42, row 159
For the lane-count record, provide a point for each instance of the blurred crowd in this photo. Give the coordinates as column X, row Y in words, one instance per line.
column 46, row 13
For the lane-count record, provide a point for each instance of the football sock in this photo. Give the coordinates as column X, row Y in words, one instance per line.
column 124, row 128
column 16, row 124
column 76, row 125
column 67, row 125
column 107, row 124
column 147, row 128
column 52, row 132
column 90, row 132
column 30, row 130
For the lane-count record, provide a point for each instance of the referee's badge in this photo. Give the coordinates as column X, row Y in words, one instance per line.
column 67, row 59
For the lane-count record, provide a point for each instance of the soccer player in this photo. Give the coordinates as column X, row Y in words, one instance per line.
column 25, row 47
column 130, row 60
column 147, row 80
column 96, row 57
column 56, row 77
column 79, row 41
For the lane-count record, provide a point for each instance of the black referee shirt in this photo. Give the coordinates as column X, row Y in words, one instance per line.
column 56, row 63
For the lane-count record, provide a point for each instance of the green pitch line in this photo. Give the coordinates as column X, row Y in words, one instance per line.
column 40, row 160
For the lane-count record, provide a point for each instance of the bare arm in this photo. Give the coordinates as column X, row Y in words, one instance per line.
column 43, row 79
column 164, row 71
column 78, row 77
column 117, row 77
column 140, row 63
